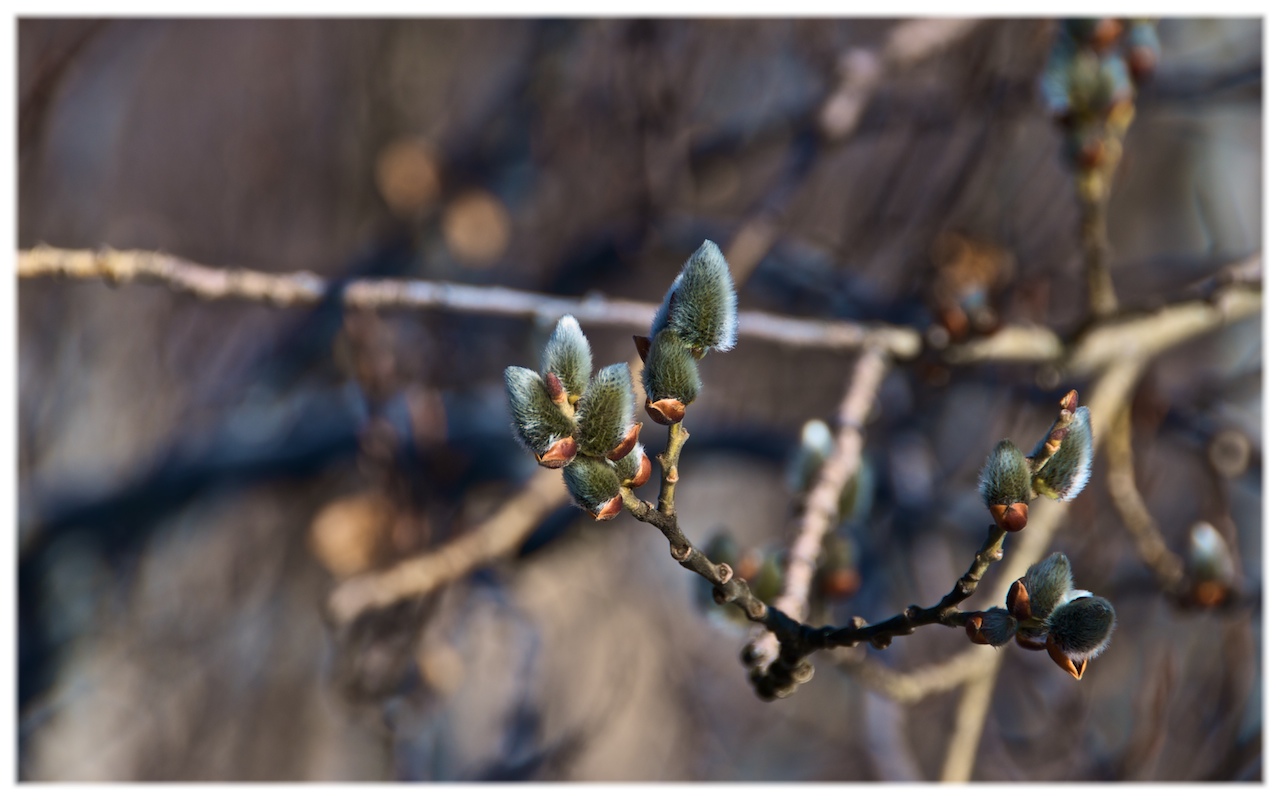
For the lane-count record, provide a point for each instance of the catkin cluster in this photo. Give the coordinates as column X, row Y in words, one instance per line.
column 1058, row 467
column 583, row 424
column 1044, row 611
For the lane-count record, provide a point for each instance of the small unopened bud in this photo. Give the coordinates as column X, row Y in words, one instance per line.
column 1144, row 49
column 816, row 444
column 701, row 306
column 606, row 411
column 634, row 468
column 670, row 373
column 1048, row 584
column 537, row 422
column 1005, row 486
column 1209, row 557
column 768, row 581
column 568, row 356
column 838, row 576
column 1210, row 566
column 721, row 548
column 995, row 627
column 594, row 487
column 1078, row 631
column 1066, row 471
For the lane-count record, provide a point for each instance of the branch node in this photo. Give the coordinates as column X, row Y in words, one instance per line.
column 681, row 554
column 724, row 573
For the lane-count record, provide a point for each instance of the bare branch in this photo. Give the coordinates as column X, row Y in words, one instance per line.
column 912, row 687
column 1144, row 336
column 1168, row 568
column 1097, row 269
column 862, row 70
column 496, row 537
column 971, row 715
column 821, row 506
column 1026, row 343
column 307, row 288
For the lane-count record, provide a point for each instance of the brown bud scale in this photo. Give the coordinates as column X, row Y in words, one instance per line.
column 559, row 454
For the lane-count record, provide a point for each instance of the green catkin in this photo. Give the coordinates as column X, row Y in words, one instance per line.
column 816, row 444
column 998, row 626
column 536, row 420
column 1006, row 477
column 1082, row 628
column 701, row 306
column 591, row 482
column 670, row 371
column 606, row 411
column 1048, row 584
column 1067, row 471
column 568, row 355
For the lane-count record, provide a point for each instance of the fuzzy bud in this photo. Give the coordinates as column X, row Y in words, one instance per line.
column 1005, row 486
column 593, row 484
column 634, row 468
column 568, row 357
column 701, row 306
column 1209, row 556
column 1048, row 585
column 670, row 373
column 768, row 580
column 1066, row 471
column 606, row 411
column 538, row 423
column 1078, row 631
column 1144, row 49
column 995, row 627
column 816, row 444
column 1210, row 565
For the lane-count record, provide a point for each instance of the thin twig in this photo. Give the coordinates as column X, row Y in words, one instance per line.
column 864, row 70
column 797, row 640
column 1137, row 519
column 971, row 715
column 307, row 288
column 912, row 687
column 821, row 506
column 1093, row 224
column 497, row 536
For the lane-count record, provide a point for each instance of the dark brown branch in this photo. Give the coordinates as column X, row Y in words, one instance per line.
column 797, row 640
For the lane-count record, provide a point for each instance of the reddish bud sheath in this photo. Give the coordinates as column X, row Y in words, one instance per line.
column 556, row 389
column 559, row 454
column 1018, row 601
column 1072, row 668
column 668, row 411
column 1071, row 401
column 642, row 473
column 627, row 444
column 609, row 510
